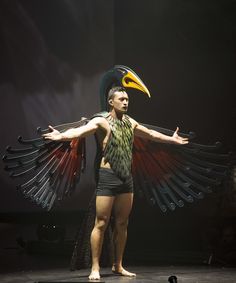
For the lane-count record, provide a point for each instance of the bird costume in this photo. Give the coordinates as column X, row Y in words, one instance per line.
column 166, row 174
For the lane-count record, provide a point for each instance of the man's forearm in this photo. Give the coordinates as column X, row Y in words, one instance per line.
column 159, row 137
column 70, row 134
column 80, row 132
column 153, row 135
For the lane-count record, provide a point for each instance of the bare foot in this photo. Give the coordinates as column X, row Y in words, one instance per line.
column 94, row 275
column 121, row 271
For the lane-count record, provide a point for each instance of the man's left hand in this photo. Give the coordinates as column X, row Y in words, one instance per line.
column 177, row 139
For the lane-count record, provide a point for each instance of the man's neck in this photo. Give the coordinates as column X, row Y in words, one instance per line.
column 116, row 115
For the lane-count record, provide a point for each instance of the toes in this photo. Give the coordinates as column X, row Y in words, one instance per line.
column 94, row 276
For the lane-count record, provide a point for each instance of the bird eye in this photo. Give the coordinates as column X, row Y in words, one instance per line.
column 127, row 80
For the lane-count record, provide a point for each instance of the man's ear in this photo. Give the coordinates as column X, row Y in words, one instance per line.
column 110, row 101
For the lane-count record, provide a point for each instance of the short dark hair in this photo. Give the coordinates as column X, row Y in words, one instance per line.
column 113, row 90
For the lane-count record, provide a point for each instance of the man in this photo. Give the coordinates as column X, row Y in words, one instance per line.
column 114, row 132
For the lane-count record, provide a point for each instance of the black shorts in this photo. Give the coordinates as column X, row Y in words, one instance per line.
column 110, row 185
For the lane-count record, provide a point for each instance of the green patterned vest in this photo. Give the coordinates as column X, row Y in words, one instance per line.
column 118, row 151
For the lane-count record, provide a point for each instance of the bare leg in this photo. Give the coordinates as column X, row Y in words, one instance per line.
column 103, row 212
column 122, row 207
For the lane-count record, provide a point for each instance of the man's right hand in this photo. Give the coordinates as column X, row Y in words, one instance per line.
column 54, row 135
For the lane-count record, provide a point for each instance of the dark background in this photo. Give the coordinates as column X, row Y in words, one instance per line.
column 53, row 54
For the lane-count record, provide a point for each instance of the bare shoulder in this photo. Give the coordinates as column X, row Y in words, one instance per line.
column 100, row 122
column 133, row 122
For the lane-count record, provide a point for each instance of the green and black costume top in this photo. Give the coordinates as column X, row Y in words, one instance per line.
column 118, row 150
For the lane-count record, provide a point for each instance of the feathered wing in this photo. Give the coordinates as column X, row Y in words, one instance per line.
column 49, row 169
column 169, row 175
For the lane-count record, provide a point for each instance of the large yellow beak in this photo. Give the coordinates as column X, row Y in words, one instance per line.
column 133, row 81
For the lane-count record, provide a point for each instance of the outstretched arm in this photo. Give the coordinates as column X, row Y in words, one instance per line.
column 144, row 132
column 72, row 133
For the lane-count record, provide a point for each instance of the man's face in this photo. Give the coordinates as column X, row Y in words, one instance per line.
column 120, row 101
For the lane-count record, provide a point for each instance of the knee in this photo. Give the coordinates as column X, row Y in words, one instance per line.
column 121, row 224
column 101, row 223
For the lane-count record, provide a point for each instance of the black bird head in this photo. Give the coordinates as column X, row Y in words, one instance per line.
column 120, row 76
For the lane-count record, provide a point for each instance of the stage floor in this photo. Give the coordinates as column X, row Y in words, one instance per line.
column 145, row 274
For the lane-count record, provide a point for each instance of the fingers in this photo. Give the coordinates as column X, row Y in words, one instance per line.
column 47, row 136
column 51, row 128
column 52, row 135
column 184, row 140
column 179, row 139
column 175, row 134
